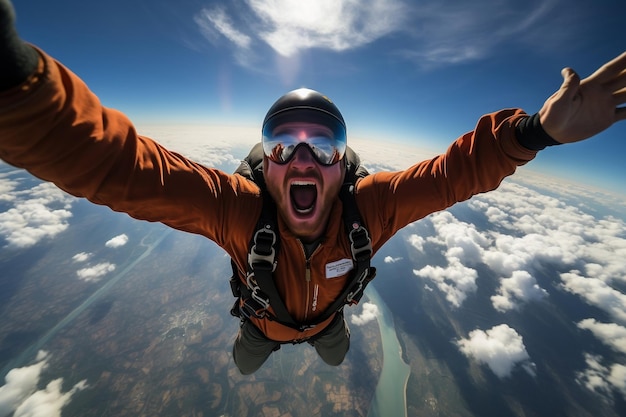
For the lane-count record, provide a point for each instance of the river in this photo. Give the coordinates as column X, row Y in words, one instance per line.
column 390, row 396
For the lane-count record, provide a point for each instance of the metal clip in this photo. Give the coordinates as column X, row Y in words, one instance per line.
column 254, row 257
column 356, row 252
column 258, row 303
column 350, row 298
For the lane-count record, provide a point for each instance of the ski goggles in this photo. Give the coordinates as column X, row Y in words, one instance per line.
column 324, row 134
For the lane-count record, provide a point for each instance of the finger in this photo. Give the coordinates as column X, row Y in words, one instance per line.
column 571, row 82
column 609, row 70
column 618, row 82
column 619, row 97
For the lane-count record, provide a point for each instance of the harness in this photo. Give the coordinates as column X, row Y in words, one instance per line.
column 259, row 291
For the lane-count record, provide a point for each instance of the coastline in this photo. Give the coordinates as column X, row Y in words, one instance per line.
column 387, row 395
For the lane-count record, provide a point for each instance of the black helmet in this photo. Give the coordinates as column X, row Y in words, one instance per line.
column 304, row 105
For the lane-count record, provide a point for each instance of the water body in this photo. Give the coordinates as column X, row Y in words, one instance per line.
column 390, row 396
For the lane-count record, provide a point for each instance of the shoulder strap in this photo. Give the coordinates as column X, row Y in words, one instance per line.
column 262, row 260
column 260, row 292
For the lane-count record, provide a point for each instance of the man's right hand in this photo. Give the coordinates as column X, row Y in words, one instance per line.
column 17, row 59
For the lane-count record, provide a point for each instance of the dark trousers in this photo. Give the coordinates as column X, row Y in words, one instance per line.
column 252, row 348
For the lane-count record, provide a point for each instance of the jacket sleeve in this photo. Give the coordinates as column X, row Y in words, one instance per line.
column 476, row 162
column 55, row 127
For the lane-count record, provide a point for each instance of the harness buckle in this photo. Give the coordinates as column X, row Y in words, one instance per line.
column 263, row 252
column 360, row 243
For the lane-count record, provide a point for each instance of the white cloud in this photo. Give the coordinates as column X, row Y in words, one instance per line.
column 48, row 402
column 417, row 242
column 7, row 186
column 330, row 24
column 462, row 243
column 19, row 384
column 462, row 240
column 19, row 394
column 391, row 260
column 521, row 286
column 117, row 241
column 455, row 280
column 94, row 273
column 597, row 293
column 37, row 213
column 603, row 379
column 611, row 334
column 81, row 257
column 290, row 27
column 501, row 348
column 369, row 313
column 216, row 19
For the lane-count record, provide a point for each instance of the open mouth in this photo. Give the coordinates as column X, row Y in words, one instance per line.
column 303, row 196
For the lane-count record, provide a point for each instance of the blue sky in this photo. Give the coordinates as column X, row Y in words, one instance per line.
column 415, row 71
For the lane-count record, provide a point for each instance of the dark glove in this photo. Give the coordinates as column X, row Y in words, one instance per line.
column 17, row 59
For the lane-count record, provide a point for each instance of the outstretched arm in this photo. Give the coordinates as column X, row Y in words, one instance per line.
column 52, row 125
column 478, row 161
column 581, row 109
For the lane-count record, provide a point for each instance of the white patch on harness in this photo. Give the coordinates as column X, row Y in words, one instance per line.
column 339, row 268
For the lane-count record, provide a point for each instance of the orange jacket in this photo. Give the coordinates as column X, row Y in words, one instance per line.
column 54, row 127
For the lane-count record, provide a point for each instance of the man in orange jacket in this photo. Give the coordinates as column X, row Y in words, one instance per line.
column 53, row 126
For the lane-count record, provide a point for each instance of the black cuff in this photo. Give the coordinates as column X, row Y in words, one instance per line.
column 530, row 134
column 17, row 61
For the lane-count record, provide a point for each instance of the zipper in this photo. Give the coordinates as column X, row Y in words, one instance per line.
column 307, row 273
column 307, row 278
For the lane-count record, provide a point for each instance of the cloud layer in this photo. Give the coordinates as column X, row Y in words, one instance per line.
column 527, row 230
column 520, row 234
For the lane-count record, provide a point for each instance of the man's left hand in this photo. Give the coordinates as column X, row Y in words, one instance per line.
column 581, row 109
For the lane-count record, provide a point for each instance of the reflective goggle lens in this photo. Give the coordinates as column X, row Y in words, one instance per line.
column 281, row 148
column 323, row 134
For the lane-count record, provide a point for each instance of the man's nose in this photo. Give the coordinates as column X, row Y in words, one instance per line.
column 303, row 158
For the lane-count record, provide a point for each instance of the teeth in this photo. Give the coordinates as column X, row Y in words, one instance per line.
column 305, row 211
column 303, row 183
